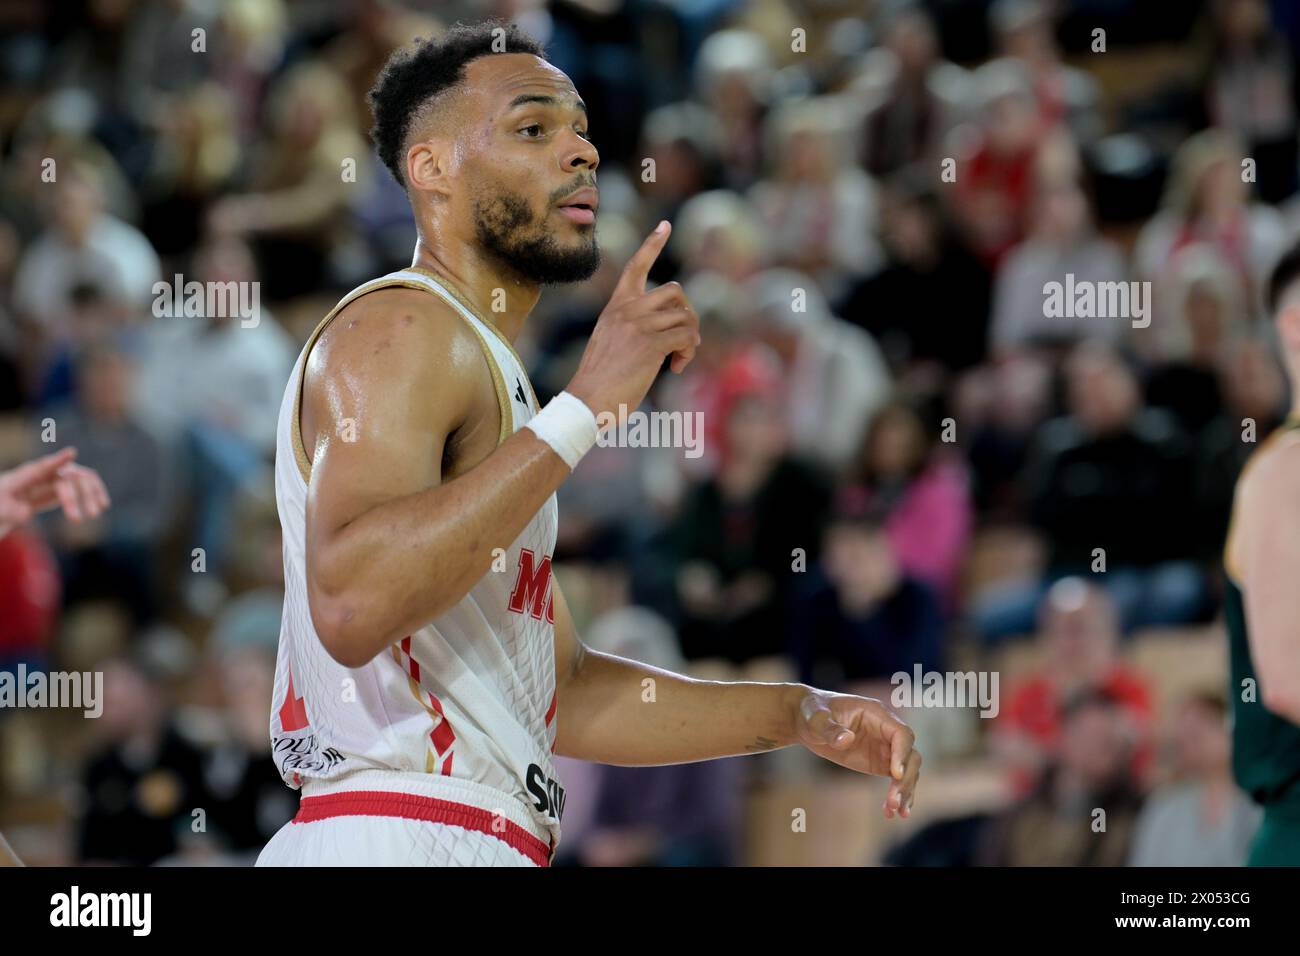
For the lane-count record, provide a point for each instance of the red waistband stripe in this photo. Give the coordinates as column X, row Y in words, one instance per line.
column 410, row 806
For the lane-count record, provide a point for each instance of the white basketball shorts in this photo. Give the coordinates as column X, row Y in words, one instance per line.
column 395, row 818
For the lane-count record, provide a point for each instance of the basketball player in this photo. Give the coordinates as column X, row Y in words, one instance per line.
column 53, row 480
column 1262, row 605
column 428, row 667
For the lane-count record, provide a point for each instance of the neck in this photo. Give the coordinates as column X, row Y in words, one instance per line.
column 493, row 290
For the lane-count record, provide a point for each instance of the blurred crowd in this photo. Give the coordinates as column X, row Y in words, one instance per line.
column 910, row 461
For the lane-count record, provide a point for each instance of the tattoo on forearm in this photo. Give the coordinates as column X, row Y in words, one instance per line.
column 762, row 743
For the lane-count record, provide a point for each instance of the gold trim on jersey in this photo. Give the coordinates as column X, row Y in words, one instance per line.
column 498, row 380
column 460, row 297
column 434, row 716
column 1230, row 567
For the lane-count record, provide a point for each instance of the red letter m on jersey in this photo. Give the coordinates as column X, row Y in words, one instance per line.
column 533, row 588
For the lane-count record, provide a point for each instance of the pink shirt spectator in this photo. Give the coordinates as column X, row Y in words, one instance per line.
column 929, row 526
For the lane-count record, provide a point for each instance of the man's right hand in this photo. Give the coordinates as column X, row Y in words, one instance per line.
column 633, row 335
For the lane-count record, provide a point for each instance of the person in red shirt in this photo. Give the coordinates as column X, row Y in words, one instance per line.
column 996, row 165
column 1078, row 634
column 51, row 481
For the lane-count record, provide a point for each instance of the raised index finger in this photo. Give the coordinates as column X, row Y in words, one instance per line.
column 632, row 281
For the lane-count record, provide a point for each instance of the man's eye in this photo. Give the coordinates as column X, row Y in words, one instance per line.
column 536, row 126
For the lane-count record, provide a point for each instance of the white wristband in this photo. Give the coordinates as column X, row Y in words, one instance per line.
column 567, row 425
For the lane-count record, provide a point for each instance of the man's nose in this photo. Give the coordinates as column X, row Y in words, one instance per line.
column 583, row 156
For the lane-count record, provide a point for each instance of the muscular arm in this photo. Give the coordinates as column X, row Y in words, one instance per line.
column 1270, row 561
column 608, row 713
column 390, row 546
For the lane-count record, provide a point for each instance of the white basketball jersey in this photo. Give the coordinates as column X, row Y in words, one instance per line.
column 469, row 696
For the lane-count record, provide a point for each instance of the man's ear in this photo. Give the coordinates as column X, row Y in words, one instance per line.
column 429, row 166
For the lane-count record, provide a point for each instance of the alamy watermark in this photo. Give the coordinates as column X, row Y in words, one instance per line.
column 213, row 300
column 638, row 429
column 133, row 911
column 1085, row 299
column 946, row 689
column 38, row 689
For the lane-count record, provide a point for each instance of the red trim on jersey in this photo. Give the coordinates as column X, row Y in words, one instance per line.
column 410, row 806
column 555, row 705
column 442, row 735
column 293, row 711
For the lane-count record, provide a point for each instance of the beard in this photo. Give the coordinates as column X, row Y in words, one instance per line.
column 506, row 228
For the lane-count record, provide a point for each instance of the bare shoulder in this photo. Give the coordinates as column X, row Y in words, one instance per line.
column 396, row 335
column 401, row 358
column 1272, row 476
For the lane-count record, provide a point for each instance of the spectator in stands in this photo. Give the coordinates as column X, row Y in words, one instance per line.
column 733, row 78
column 1078, row 639
column 1058, row 824
column 93, row 316
column 818, row 211
column 297, row 206
column 1105, row 491
column 726, row 359
column 1207, row 202
column 1200, row 818
column 911, row 96
column 112, row 556
column 1213, row 314
column 210, row 389
column 930, row 301
column 1025, row 32
column 1250, row 90
column 734, row 542
column 993, row 176
column 833, row 375
column 866, row 617
column 145, row 780
column 1062, row 242
column 251, row 38
column 79, row 244
column 718, row 232
column 683, row 143
column 196, row 159
column 248, row 801
column 366, row 32
column 1000, row 408
column 919, row 494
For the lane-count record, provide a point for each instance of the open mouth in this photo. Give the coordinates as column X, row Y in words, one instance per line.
column 580, row 213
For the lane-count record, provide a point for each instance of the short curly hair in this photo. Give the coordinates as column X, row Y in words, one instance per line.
column 426, row 68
